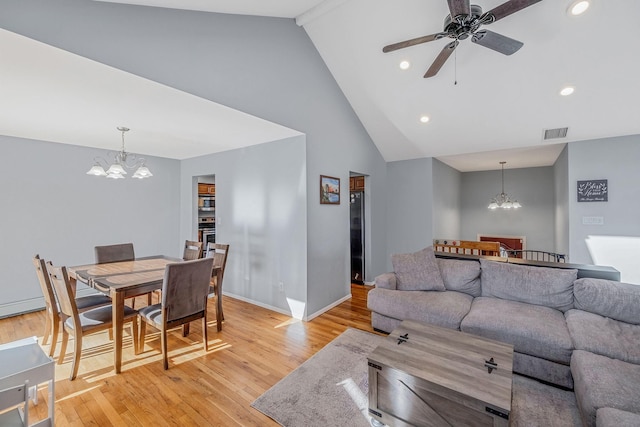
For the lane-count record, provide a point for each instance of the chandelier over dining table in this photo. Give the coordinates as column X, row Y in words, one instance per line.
column 117, row 167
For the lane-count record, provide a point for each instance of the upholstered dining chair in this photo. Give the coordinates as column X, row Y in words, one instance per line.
column 185, row 290
column 219, row 253
column 192, row 250
column 53, row 318
column 80, row 324
column 117, row 253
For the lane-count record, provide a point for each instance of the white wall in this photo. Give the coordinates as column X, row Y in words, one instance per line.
column 532, row 187
column 409, row 209
column 261, row 212
column 52, row 208
column 267, row 67
column 446, row 201
column 617, row 241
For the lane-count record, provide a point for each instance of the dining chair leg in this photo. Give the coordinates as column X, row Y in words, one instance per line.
column 134, row 334
column 63, row 345
column 163, row 340
column 205, row 338
column 47, row 328
column 77, row 353
column 54, row 338
column 149, row 302
column 185, row 329
column 141, row 335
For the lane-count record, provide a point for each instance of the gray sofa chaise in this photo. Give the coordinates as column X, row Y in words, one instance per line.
column 576, row 333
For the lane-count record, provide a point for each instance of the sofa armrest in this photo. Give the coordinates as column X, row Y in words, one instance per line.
column 386, row 281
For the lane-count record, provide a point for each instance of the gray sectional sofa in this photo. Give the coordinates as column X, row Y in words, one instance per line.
column 576, row 333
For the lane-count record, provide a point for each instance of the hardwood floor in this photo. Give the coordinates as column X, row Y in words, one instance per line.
column 256, row 348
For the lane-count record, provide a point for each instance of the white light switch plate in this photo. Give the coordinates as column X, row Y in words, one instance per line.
column 592, row 220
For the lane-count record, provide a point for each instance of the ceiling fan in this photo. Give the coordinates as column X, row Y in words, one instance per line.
column 464, row 21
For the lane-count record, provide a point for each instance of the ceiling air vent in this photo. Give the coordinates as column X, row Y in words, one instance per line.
column 555, row 133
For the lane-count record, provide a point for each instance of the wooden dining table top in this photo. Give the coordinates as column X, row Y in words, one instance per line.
column 136, row 270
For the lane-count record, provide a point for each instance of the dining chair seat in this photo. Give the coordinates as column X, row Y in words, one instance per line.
column 92, row 301
column 100, row 316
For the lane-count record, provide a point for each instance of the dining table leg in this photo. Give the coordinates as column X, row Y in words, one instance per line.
column 117, row 306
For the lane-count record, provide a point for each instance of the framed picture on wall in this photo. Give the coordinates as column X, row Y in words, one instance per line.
column 329, row 190
column 594, row 190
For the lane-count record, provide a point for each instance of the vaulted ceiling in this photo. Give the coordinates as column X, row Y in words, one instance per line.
column 483, row 107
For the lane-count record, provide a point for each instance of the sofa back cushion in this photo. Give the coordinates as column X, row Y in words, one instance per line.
column 417, row 271
column 461, row 276
column 619, row 301
column 550, row 287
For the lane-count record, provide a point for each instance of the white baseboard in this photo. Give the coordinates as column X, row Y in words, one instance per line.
column 287, row 312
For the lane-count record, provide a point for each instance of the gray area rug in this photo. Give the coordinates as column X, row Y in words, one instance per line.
column 330, row 389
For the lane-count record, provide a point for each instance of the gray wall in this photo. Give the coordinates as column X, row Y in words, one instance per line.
column 261, row 212
column 614, row 159
column 267, row 67
column 446, row 201
column 51, row 207
column 561, row 184
column 409, row 209
column 532, row 187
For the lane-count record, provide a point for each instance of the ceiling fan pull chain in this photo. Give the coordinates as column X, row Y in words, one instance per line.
column 455, row 67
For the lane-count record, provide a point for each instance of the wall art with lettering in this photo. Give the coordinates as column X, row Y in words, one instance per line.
column 594, row 190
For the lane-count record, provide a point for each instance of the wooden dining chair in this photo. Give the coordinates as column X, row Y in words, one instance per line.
column 185, row 290
column 219, row 253
column 117, row 253
column 192, row 250
column 52, row 317
column 14, row 406
column 78, row 324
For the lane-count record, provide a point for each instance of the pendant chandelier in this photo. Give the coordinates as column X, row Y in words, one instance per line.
column 120, row 162
column 502, row 200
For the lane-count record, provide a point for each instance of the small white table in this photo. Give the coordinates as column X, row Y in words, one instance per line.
column 24, row 360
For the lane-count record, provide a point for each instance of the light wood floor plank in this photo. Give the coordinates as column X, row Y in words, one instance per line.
column 256, row 348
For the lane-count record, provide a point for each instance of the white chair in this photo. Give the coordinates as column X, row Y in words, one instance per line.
column 17, row 400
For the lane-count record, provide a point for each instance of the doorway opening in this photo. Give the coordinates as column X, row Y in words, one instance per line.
column 206, row 209
column 357, row 226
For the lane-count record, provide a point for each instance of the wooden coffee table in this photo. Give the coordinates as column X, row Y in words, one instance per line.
column 425, row 375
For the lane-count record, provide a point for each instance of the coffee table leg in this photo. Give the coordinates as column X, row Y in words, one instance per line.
column 117, row 303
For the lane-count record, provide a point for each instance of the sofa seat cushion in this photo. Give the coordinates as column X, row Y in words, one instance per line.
column 550, row 287
column 531, row 329
column 446, row 309
column 605, row 336
column 601, row 382
column 417, row 271
column 610, row 417
column 459, row 275
column 619, row 301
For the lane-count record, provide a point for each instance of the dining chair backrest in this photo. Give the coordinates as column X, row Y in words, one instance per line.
column 185, row 288
column 45, row 284
column 62, row 287
column 14, row 397
column 114, row 253
column 218, row 252
column 192, row 250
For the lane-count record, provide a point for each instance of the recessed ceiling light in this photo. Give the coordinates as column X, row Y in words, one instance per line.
column 404, row 65
column 566, row 91
column 424, row 119
column 578, row 7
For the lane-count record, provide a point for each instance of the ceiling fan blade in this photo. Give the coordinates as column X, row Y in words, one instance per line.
column 458, row 7
column 497, row 42
column 444, row 54
column 413, row 42
column 506, row 9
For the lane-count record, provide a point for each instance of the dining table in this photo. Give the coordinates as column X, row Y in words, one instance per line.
column 125, row 279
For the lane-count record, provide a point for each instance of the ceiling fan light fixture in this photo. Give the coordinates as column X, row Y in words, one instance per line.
column 424, row 119
column 404, row 65
column 578, row 7
column 567, row 90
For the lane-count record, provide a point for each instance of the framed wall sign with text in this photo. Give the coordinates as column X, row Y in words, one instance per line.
column 595, row 190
